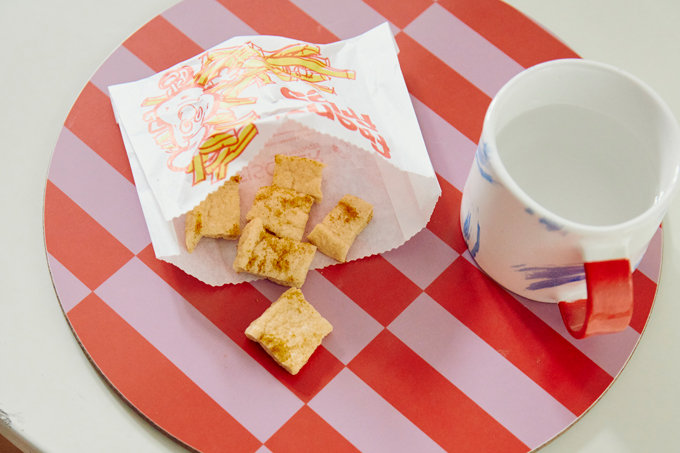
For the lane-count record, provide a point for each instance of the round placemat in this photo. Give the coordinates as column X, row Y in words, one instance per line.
column 427, row 353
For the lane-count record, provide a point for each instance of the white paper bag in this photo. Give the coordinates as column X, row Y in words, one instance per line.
column 231, row 108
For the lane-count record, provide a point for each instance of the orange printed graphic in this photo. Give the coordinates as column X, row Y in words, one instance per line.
column 349, row 120
column 194, row 121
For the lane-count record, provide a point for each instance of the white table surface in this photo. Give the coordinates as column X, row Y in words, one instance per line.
column 52, row 399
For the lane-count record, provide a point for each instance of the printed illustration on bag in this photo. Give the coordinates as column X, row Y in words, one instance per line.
column 345, row 116
column 195, row 121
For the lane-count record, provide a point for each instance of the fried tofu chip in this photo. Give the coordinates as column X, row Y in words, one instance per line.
column 300, row 174
column 281, row 260
column 284, row 212
column 290, row 330
column 218, row 216
column 338, row 230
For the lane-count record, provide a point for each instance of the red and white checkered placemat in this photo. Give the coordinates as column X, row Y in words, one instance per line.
column 427, row 353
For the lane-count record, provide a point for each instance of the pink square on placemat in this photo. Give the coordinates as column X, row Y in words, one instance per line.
column 422, row 258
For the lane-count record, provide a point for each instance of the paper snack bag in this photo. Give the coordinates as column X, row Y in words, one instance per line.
column 232, row 108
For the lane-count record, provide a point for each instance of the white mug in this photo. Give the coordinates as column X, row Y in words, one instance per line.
column 575, row 169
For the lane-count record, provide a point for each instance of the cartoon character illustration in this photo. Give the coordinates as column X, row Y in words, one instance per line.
column 195, row 121
column 185, row 114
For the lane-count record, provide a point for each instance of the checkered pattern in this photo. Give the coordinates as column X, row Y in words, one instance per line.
column 427, row 354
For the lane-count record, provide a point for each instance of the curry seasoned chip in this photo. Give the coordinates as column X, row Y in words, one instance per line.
column 218, row 216
column 281, row 260
column 300, row 174
column 284, row 212
column 290, row 330
column 335, row 235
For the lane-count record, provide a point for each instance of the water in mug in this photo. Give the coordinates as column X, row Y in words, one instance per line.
column 579, row 164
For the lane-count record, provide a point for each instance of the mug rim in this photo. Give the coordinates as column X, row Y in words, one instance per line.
column 667, row 192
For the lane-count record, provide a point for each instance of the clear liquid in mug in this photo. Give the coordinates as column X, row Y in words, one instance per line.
column 579, row 164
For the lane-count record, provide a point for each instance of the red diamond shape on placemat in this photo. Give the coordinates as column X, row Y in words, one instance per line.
column 445, row 220
column 78, row 242
column 375, row 285
column 91, row 119
column 400, row 13
column 307, row 431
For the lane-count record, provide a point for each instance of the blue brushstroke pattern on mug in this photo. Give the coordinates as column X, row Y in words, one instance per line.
column 467, row 234
column 551, row 276
column 549, row 225
column 482, row 159
column 466, row 226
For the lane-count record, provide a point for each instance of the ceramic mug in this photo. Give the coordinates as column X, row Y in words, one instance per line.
column 575, row 169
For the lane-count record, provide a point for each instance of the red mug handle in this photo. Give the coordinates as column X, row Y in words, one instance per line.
column 609, row 306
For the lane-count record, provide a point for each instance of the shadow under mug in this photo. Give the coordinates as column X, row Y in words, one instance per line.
column 575, row 169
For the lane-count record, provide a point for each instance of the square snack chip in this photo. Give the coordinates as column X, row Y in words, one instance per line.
column 284, row 212
column 281, row 260
column 300, row 174
column 290, row 330
column 218, row 216
column 335, row 235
